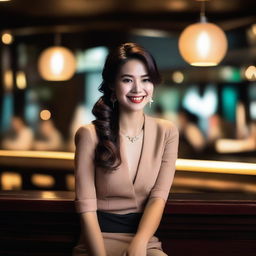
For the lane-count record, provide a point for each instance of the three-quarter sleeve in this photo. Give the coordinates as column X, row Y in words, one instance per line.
column 85, row 192
column 166, row 173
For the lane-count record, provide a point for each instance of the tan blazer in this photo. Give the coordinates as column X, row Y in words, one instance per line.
column 114, row 191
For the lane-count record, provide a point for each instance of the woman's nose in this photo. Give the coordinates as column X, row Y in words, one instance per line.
column 136, row 86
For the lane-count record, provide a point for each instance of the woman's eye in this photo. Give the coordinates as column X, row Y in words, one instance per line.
column 146, row 80
column 126, row 80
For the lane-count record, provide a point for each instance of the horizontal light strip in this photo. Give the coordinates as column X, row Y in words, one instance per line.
column 181, row 164
column 216, row 166
column 37, row 154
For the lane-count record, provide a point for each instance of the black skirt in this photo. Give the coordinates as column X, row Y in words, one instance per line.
column 119, row 223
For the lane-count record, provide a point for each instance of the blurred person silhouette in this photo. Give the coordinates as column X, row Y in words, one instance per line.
column 48, row 137
column 19, row 137
column 192, row 140
column 219, row 128
column 215, row 128
column 247, row 144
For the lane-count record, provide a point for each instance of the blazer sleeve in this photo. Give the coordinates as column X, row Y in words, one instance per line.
column 85, row 192
column 166, row 173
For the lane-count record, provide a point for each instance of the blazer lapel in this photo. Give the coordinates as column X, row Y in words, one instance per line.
column 144, row 161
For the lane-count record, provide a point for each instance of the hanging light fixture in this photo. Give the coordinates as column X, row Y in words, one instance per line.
column 203, row 43
column 57, row 63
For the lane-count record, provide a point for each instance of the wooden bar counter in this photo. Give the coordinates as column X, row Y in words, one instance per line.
column 45, row 223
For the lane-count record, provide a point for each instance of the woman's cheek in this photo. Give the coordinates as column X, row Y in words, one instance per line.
column 150, row 89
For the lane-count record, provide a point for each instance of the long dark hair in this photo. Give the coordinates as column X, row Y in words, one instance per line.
column 107, row 152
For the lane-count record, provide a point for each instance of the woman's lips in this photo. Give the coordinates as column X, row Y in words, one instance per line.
column 136, row 99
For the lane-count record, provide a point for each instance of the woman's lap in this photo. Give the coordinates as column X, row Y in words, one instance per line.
column 116, row 243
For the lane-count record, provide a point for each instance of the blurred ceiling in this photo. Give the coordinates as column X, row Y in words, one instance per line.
column 38, row 16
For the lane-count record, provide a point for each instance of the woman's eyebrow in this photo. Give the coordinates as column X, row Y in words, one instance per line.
column 126, row 75
column 146, row 75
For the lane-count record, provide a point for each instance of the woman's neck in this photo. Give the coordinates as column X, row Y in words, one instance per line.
column 131, row 123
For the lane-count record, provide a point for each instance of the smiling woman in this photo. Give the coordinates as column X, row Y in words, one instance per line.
column 124, row 161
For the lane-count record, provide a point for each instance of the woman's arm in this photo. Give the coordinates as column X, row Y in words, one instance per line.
column 151, row 219
column 148, row 225
column 92, row 234
column 86, row 198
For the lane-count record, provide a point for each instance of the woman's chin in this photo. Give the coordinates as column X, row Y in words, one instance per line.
column 130, row 108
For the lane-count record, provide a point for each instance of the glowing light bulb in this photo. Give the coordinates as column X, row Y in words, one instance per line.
column 203, row 44
column 57, row 63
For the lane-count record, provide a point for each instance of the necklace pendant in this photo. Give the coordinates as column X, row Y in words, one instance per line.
column 132, row 139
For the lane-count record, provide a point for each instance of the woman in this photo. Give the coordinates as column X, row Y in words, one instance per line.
column 124, row 161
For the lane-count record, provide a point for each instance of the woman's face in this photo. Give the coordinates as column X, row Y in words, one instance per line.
column 133, row 87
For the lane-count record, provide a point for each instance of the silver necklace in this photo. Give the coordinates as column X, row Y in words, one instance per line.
column 134, row 138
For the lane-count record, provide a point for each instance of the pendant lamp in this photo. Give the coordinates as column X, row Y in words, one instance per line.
column 203, row 43
column 57, row 63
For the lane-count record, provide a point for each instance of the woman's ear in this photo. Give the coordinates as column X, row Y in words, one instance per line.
column 112, row 87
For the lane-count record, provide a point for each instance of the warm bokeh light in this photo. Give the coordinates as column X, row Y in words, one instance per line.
column 177, row 5
column 203, row 44
column 11, row 181
column 178, row 77
column 70, row 181
column 254, row 29
column 42, row 180
column 57, row 64
column 7, row 38
column 8, row 80
column 150, row 32
column 45, row 114
column 21, row 80
column 250, row 73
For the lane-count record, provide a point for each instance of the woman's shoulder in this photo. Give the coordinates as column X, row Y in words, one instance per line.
column 164, row 124
column 86, row 131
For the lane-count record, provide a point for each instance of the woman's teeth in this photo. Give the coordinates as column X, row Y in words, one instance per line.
column 136, row 99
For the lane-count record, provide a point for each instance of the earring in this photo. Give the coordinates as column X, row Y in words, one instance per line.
column 113, row 103
column 113, row 100
column 150, row 102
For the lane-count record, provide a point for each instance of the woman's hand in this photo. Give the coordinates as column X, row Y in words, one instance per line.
column 138, row 247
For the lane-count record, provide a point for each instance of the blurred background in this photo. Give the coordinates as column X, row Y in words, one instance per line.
column 51, row 58
column 214, row 107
